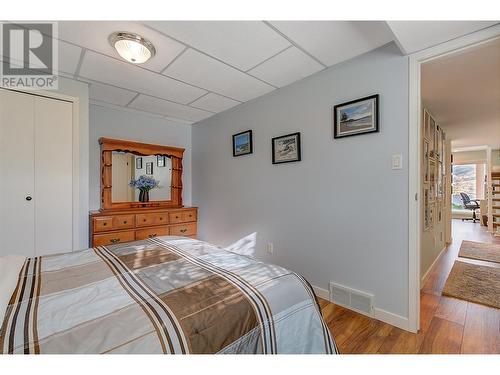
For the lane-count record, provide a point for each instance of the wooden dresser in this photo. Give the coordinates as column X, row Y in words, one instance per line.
column 110, row 227
column 123, row 216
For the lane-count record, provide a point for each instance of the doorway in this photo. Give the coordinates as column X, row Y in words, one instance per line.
column 416, row 198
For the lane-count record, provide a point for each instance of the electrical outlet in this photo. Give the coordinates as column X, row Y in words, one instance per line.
column 270, row 248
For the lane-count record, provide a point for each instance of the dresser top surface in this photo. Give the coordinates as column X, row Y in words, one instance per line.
column 138, row 210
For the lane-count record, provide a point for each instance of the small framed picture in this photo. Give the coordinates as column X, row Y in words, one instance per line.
column 356, row 117
column 432, row 138
column 149, row 168
column 427, row 219
column 426, row 160
column 138, row 162
column 160, row 160
column 286, row 148
column 426, row 124
column 242, row 143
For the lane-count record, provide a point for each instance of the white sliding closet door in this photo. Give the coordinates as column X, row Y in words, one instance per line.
column 36, row 174
column 17, row 220
column 53, row 176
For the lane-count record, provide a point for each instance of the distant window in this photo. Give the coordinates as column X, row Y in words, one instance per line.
column 464, row 181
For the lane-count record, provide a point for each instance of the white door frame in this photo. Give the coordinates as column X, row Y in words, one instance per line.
column 415, row 113
column 76, row 207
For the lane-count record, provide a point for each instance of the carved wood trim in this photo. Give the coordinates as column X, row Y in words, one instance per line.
column 109, row 145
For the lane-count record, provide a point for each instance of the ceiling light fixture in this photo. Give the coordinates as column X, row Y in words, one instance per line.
column 132, row 47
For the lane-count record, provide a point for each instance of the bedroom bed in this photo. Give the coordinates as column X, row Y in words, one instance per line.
column 172, row 295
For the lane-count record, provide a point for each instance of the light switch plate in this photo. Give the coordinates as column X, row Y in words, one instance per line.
column 397, row 161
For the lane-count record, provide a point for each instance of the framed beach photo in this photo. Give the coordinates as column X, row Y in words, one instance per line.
column 160, row 160
column 242, row 143
column 356, row 117
column 138, row 162
column 149, row 168
column 286, row 148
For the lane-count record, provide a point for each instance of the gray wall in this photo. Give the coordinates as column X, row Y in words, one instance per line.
column 123, row 124
column 341, row 214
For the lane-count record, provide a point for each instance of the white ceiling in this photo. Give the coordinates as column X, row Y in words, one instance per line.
column 417, row 35
column 206, row 67
column 462, row 91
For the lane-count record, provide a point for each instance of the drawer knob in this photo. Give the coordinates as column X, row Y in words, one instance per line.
column 144, row 220
column 161, row 218
column 125, row 222
column 183, row 230
column 114, row 240
column 104, row 224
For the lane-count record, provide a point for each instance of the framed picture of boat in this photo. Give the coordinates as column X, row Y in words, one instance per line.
column 286, row 148
column 356, row 117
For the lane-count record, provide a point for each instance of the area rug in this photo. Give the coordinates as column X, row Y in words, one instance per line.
column 489, row 252
column 475, row 283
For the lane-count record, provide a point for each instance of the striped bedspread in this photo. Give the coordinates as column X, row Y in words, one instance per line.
column 165, row 295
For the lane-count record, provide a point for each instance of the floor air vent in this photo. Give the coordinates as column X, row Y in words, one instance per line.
column 351, row 298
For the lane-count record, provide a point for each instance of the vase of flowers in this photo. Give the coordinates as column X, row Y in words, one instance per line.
column 144, row 184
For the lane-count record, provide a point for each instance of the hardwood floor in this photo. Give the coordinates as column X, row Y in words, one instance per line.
column 447, row 325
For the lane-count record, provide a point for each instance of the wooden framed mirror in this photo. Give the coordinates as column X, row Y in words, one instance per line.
column 123, row 161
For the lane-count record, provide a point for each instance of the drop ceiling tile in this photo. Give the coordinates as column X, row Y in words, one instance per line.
column 203, row 71
column 69, row 56
column 332, row 42
column 287, row 67
column 105, row 69
column 94, row 36
column 214, row 103
column 163, row 107
column 110, row 94
column 242, row 44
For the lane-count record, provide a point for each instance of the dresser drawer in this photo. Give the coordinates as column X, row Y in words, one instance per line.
column 154, row 218
column 182, row 216
column 123, row 221
column 107, row 223
column 113, row 238
column 151, row 233
column 103, row 223
column 188, row 229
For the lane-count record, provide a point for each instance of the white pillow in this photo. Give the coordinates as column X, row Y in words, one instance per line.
column 10, row 266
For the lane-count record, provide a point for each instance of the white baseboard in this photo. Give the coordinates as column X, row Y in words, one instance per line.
column 379, row 314
column 392, row 319
column 423, row 279
column 321, row 293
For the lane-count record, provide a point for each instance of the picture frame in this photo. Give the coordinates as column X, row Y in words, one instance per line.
column 356, row 117
column 438, row 143
column 427, row 221
column 432, row 132
column 160, row 160
column 286, row 148
column 443, row 149
column 426, row 129
column 439, row 189
column 242, row 143
column 138, row 162
column 149, row 168
column 426, row 160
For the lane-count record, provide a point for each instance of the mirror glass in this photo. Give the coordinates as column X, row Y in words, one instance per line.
column 127, row 167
